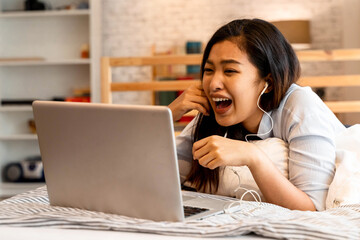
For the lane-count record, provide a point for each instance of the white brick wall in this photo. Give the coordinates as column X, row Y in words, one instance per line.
column 131, row 27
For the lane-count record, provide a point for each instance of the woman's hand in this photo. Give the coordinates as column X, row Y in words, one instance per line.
column 192, row 98
column 216, row 151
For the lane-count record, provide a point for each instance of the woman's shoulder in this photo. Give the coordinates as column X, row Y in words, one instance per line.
column 296, row 93
column 303, row 110
column 302, row 100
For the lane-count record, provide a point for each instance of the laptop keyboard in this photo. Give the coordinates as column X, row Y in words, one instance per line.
column 189, row 211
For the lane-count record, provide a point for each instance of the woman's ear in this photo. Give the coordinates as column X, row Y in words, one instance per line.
column 270, row 83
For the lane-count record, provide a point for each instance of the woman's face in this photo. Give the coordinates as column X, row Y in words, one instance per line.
column 232, row 85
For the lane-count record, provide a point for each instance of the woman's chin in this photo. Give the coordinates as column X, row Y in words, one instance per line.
column 224, row 121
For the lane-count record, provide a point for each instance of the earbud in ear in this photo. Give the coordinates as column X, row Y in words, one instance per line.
column 262, row 92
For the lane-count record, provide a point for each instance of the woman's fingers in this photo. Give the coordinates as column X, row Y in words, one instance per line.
column 199, row 103
column 204, row 102
column 197, row 146
column 197, row 107
column 192, row 98
column 206, row 152
column 206, row 158
column 208, row 161
column 213, row 164
column 199, row 86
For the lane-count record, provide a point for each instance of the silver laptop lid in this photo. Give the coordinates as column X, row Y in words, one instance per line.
column 110, row 158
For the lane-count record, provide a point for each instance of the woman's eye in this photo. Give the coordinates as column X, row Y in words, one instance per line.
column 230, row 71
column 208, row 70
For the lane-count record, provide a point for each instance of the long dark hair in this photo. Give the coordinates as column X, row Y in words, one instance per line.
column 272, row 55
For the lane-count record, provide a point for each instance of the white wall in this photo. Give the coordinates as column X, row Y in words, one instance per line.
column 130, row 28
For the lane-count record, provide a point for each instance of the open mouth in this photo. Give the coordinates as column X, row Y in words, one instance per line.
column 222, row 103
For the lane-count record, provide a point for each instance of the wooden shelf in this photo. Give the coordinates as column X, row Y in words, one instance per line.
column 329, row 55
column 49, row 13
column 46, row 62
column 331, row 81
column 20, row 108
column 16, row 137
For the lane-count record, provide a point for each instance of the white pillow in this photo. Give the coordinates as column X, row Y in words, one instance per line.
column 276, row 149
column 345, row 187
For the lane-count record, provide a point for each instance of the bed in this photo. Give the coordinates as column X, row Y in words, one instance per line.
column 31, row 213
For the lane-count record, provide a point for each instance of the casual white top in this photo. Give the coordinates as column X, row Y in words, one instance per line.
column 309, row 127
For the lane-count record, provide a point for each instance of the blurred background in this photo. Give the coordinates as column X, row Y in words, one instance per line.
column 51, row 49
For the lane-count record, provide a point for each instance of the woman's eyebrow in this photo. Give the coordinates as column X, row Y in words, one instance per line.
column 223, row 62
column 229, row 61
column 209, row 62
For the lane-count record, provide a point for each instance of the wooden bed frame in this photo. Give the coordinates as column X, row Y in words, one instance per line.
column 107, row 86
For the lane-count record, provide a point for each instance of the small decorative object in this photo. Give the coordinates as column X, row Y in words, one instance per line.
column 70, row 7
column 28, row 170
column 34, row 5
column 32, row 127
column 193, row 48
column 83, row 5
column 85, row 51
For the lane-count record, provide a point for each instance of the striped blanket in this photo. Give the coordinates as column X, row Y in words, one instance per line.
column 32, row 209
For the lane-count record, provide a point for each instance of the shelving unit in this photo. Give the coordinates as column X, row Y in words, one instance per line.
column 40, row 58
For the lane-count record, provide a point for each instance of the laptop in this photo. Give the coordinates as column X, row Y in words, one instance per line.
column 118, row 159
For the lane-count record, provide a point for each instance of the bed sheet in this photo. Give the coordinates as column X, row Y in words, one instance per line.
column 32, row 210
column 17, row 233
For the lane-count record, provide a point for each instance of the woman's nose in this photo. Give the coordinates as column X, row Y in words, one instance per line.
column 216, row 82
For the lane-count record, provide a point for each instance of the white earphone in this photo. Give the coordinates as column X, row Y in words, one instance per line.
column 266, row 86
column 267, row 114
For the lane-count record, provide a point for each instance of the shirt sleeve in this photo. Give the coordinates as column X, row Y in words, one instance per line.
column 184, row 144
column 310, row 131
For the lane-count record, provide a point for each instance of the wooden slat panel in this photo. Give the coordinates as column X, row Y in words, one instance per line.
column 314, row 81
column 329, row 55
column 195, row 59
column 105, row 80
column 154, row 86
column 330, row 81
column 343, row 106
column 190, row 59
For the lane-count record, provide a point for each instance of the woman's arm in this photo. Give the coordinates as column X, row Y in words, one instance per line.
column 274, row 186
column 216, row 151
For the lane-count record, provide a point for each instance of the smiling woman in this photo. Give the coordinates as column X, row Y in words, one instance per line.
column 230, row 77
column 249, row 73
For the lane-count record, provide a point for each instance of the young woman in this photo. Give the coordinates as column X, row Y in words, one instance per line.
column 248, row 68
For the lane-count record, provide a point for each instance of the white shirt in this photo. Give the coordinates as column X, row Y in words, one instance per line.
column 309, row 127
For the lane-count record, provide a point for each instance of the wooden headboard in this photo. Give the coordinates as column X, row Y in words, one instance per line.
column 107, row 63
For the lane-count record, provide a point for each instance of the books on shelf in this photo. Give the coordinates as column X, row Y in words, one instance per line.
column 78, row 95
